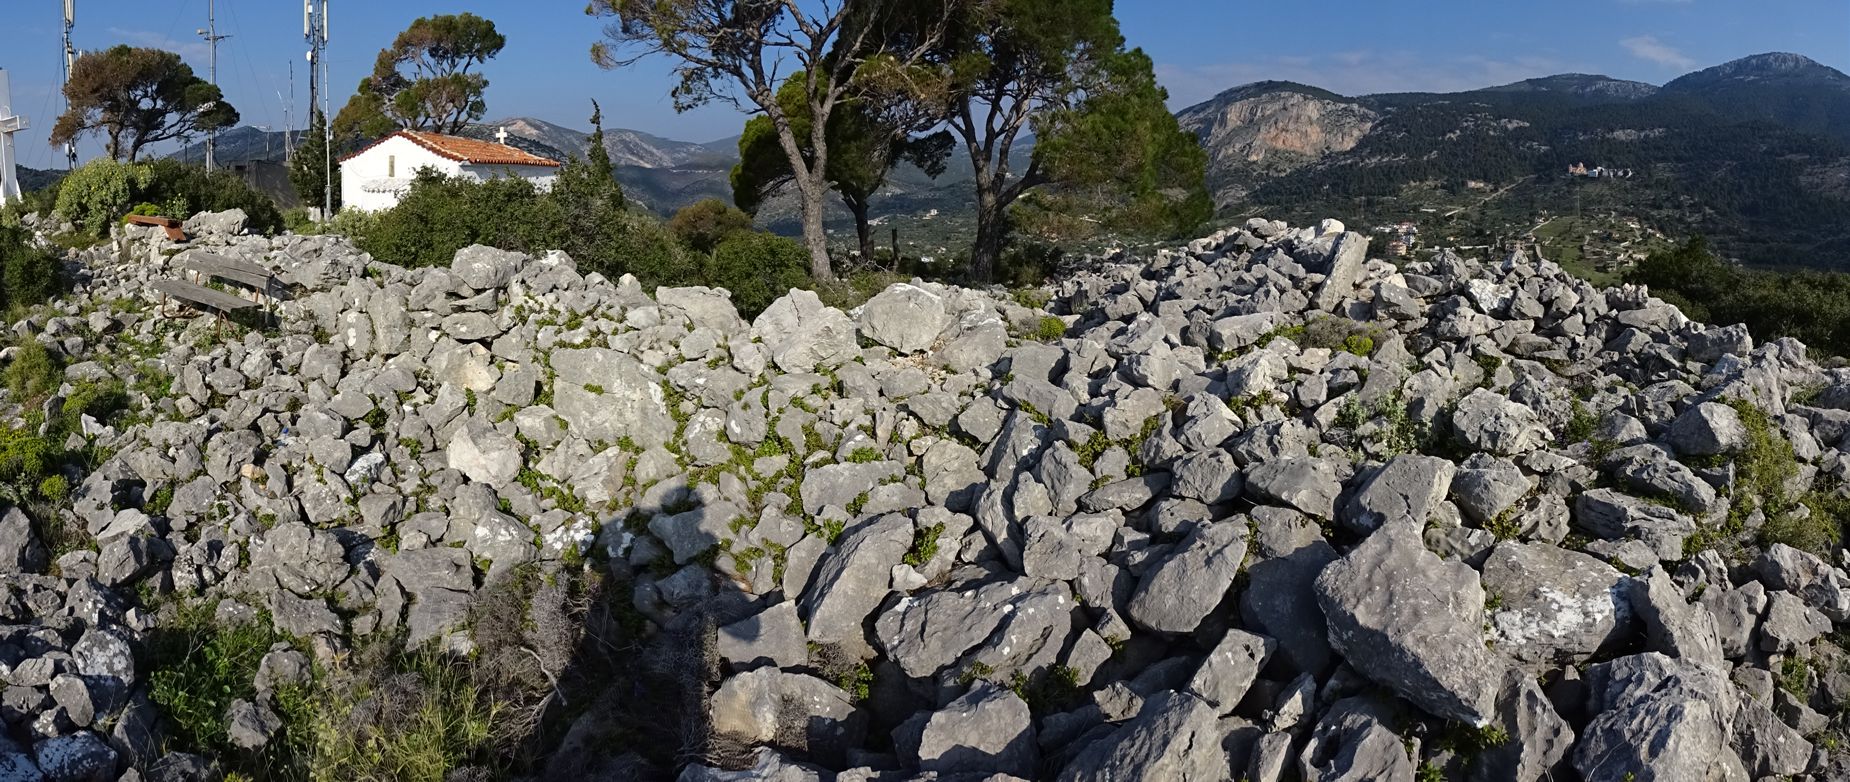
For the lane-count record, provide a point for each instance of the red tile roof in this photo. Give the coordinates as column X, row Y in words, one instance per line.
column 465, row 150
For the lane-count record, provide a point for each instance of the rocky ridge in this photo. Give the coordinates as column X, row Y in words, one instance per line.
column 1268, row 509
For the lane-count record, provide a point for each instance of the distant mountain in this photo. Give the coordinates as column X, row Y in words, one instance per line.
column 1784, row 88
column 1257, row 132
column 31, row 179
column 1782, row 69
column 239, row 145
column 1582, row 84
column 1754, row 153
column 626, row 147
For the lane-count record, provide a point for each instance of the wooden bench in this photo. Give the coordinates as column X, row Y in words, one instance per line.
column 220, row 302
column 209, row 266
column 173, row 226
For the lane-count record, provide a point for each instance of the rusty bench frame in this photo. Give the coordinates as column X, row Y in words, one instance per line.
column 171, row 225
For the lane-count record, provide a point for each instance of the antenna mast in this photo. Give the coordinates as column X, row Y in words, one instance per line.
column 315, row 31
column 210, row 33
column 70, row 61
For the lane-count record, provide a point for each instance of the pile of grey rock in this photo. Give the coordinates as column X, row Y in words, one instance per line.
column 1268, row 510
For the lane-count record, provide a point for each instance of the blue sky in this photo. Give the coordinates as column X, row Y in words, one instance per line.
column 1200, row 47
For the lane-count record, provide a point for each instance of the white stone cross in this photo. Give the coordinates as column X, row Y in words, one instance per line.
column 501, row 136
column 10, row 123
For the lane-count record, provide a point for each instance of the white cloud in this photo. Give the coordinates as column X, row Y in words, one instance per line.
column 1648, row 48
column 1356, row 73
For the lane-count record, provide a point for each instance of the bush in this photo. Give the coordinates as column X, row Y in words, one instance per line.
column 96, row 195
column 704, row 224
column 184, row 189
column 1027, row 264
column 99, row 192
column 1050, row 329
column 1333, row 333
column 415, row 716
column 846, row 294
column 631, row 243
column 43, row 202
column 1809, row 305
column 100, row 400
column 441, row 214
column 757, row 268
column 28, row 275
column 33, row 373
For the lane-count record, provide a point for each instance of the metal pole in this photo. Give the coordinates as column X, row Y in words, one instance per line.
column 289, row 120
column 212, row 38
column 327, row 124
column 70, row 61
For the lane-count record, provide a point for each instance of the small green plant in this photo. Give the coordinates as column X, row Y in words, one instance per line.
column 1057, row 690
column 1505, row 526
column 924, row 545
column 864, row 455
column 1580, row 424
column 1467, row 740
column 1032, row 298
column 857, row 682
column 54, row 488
column 976, row 670
column 1795, row 675
column 1050, row 329
column 1489, row 363
column 157, row 505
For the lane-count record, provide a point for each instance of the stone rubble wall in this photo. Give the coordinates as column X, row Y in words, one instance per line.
column 1268, row 510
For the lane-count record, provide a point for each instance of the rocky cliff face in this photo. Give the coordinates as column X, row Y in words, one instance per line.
column 1265, row 509
column 1254, row 133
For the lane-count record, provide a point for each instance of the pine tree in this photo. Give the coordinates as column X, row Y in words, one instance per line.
column 309, row 171
column 587, row 189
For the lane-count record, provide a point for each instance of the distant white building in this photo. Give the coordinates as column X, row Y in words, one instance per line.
column 375, row 178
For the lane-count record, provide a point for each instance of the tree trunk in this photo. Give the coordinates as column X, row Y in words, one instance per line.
column 862, row 230
column 991, row 230
column 815, row 238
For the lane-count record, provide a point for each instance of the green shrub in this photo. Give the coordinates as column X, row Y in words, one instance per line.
column 1026, row 264
column 100, row 191
column 100, row 400
column 440, row 215
column 1050, row 329
column 54, row 488
column 184, row 189
column 414, row 716
column 757, row 268
column 33, row 372
column 44, row 201
column 703, row 225
column 638, row 244
column 296, row 221
column 25, row 457
column 28, row 275
column 1580, row 425
column 855, row 289
column 1333, row 333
